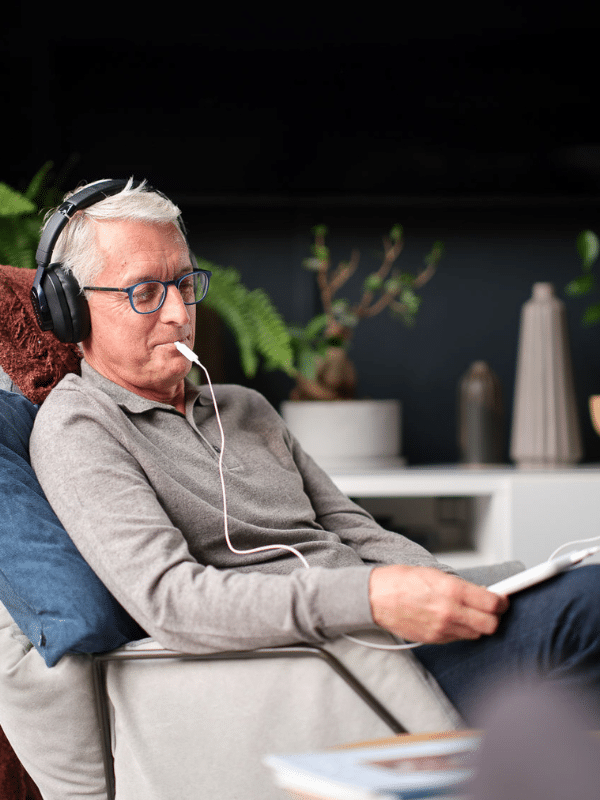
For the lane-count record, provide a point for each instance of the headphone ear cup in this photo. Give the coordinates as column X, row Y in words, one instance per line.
column 68, row 306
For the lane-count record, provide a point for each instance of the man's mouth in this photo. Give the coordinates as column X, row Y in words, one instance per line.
column 171, row 343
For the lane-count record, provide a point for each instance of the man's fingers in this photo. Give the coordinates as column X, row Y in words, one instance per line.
column 478, row 597
column 424, row 604
column 454, row 620
column 481, row 623
column 481, row 610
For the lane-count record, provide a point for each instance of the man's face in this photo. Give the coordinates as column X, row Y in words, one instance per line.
column 136, row 350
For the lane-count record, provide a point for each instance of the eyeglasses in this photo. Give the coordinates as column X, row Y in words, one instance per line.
column 148, row 296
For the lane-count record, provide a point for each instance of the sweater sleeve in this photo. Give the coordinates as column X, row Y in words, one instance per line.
column 105, row 501
column 355, row 526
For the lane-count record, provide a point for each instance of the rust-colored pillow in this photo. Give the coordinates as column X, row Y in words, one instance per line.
column 34, row 360
column 15, row 783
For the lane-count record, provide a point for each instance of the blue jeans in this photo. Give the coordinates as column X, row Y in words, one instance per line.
column 551, row 632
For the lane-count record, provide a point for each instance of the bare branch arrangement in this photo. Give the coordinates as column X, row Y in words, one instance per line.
column 324, row 370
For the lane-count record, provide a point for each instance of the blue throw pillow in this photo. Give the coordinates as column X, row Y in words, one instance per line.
column 46, row 586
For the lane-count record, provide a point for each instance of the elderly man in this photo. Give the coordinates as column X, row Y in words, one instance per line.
column 144, row 500
column 128, row 455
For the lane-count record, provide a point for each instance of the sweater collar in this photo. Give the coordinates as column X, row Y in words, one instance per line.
column 135, row 403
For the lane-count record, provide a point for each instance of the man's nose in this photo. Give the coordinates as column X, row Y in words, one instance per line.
column 174, row 309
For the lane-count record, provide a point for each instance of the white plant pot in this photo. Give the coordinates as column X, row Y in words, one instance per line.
column 347, row 435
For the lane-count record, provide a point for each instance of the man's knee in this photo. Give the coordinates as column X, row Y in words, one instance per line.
column 580, row 588
column 578, row 599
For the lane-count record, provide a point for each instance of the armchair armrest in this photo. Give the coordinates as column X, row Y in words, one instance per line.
column 147, row 649
column 485, row 576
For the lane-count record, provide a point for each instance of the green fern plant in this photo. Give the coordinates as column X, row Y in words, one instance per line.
column 258, row 328
column 20, row 218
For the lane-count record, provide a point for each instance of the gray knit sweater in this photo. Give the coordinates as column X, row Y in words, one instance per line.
column 136, row 485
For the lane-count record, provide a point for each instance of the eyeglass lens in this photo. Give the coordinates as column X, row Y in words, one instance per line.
column 148, row 296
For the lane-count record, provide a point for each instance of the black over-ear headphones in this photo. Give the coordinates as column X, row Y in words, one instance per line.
column 57, row 299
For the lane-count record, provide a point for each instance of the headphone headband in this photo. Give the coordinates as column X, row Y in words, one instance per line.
column 56, row 297
column 84, row 198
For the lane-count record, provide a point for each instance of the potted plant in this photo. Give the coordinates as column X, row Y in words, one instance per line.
column 588, row 248
column 323, row 369
column 338, row 430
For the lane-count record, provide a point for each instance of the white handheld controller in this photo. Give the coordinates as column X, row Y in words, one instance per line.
column 529, row 577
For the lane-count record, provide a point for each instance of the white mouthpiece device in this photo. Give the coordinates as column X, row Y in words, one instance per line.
column 185, row 351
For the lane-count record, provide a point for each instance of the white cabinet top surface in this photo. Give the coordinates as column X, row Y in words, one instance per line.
column 450, row 479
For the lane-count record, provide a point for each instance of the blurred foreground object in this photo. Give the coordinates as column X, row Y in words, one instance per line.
column 538, row 745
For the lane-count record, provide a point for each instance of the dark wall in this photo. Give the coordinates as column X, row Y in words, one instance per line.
column 471, row 308
column 476, row 126
column 422, row 99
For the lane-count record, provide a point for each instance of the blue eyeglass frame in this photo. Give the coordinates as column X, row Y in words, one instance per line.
column 175, row 282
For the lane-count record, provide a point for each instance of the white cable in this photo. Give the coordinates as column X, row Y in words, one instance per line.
column 571, row 544
column 189, row 354
column 372, row 645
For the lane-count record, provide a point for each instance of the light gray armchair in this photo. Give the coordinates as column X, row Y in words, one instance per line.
column 357, row 693
column 140, row 721
column 160, row 725
column 157, row 724
column 270, row 700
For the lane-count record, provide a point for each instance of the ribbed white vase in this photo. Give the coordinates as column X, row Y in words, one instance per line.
column 545, row 425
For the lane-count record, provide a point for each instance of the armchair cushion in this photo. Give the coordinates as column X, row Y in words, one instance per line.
column 45, row 584
column 33, row 360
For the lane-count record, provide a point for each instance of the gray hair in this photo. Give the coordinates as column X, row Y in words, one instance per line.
column 76, row 248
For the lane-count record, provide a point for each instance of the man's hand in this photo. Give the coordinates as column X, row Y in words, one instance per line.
column 423, row 604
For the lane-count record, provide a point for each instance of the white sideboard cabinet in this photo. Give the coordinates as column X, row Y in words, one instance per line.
column 512, row 513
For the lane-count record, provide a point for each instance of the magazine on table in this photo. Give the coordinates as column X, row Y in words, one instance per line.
column 429, row 768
